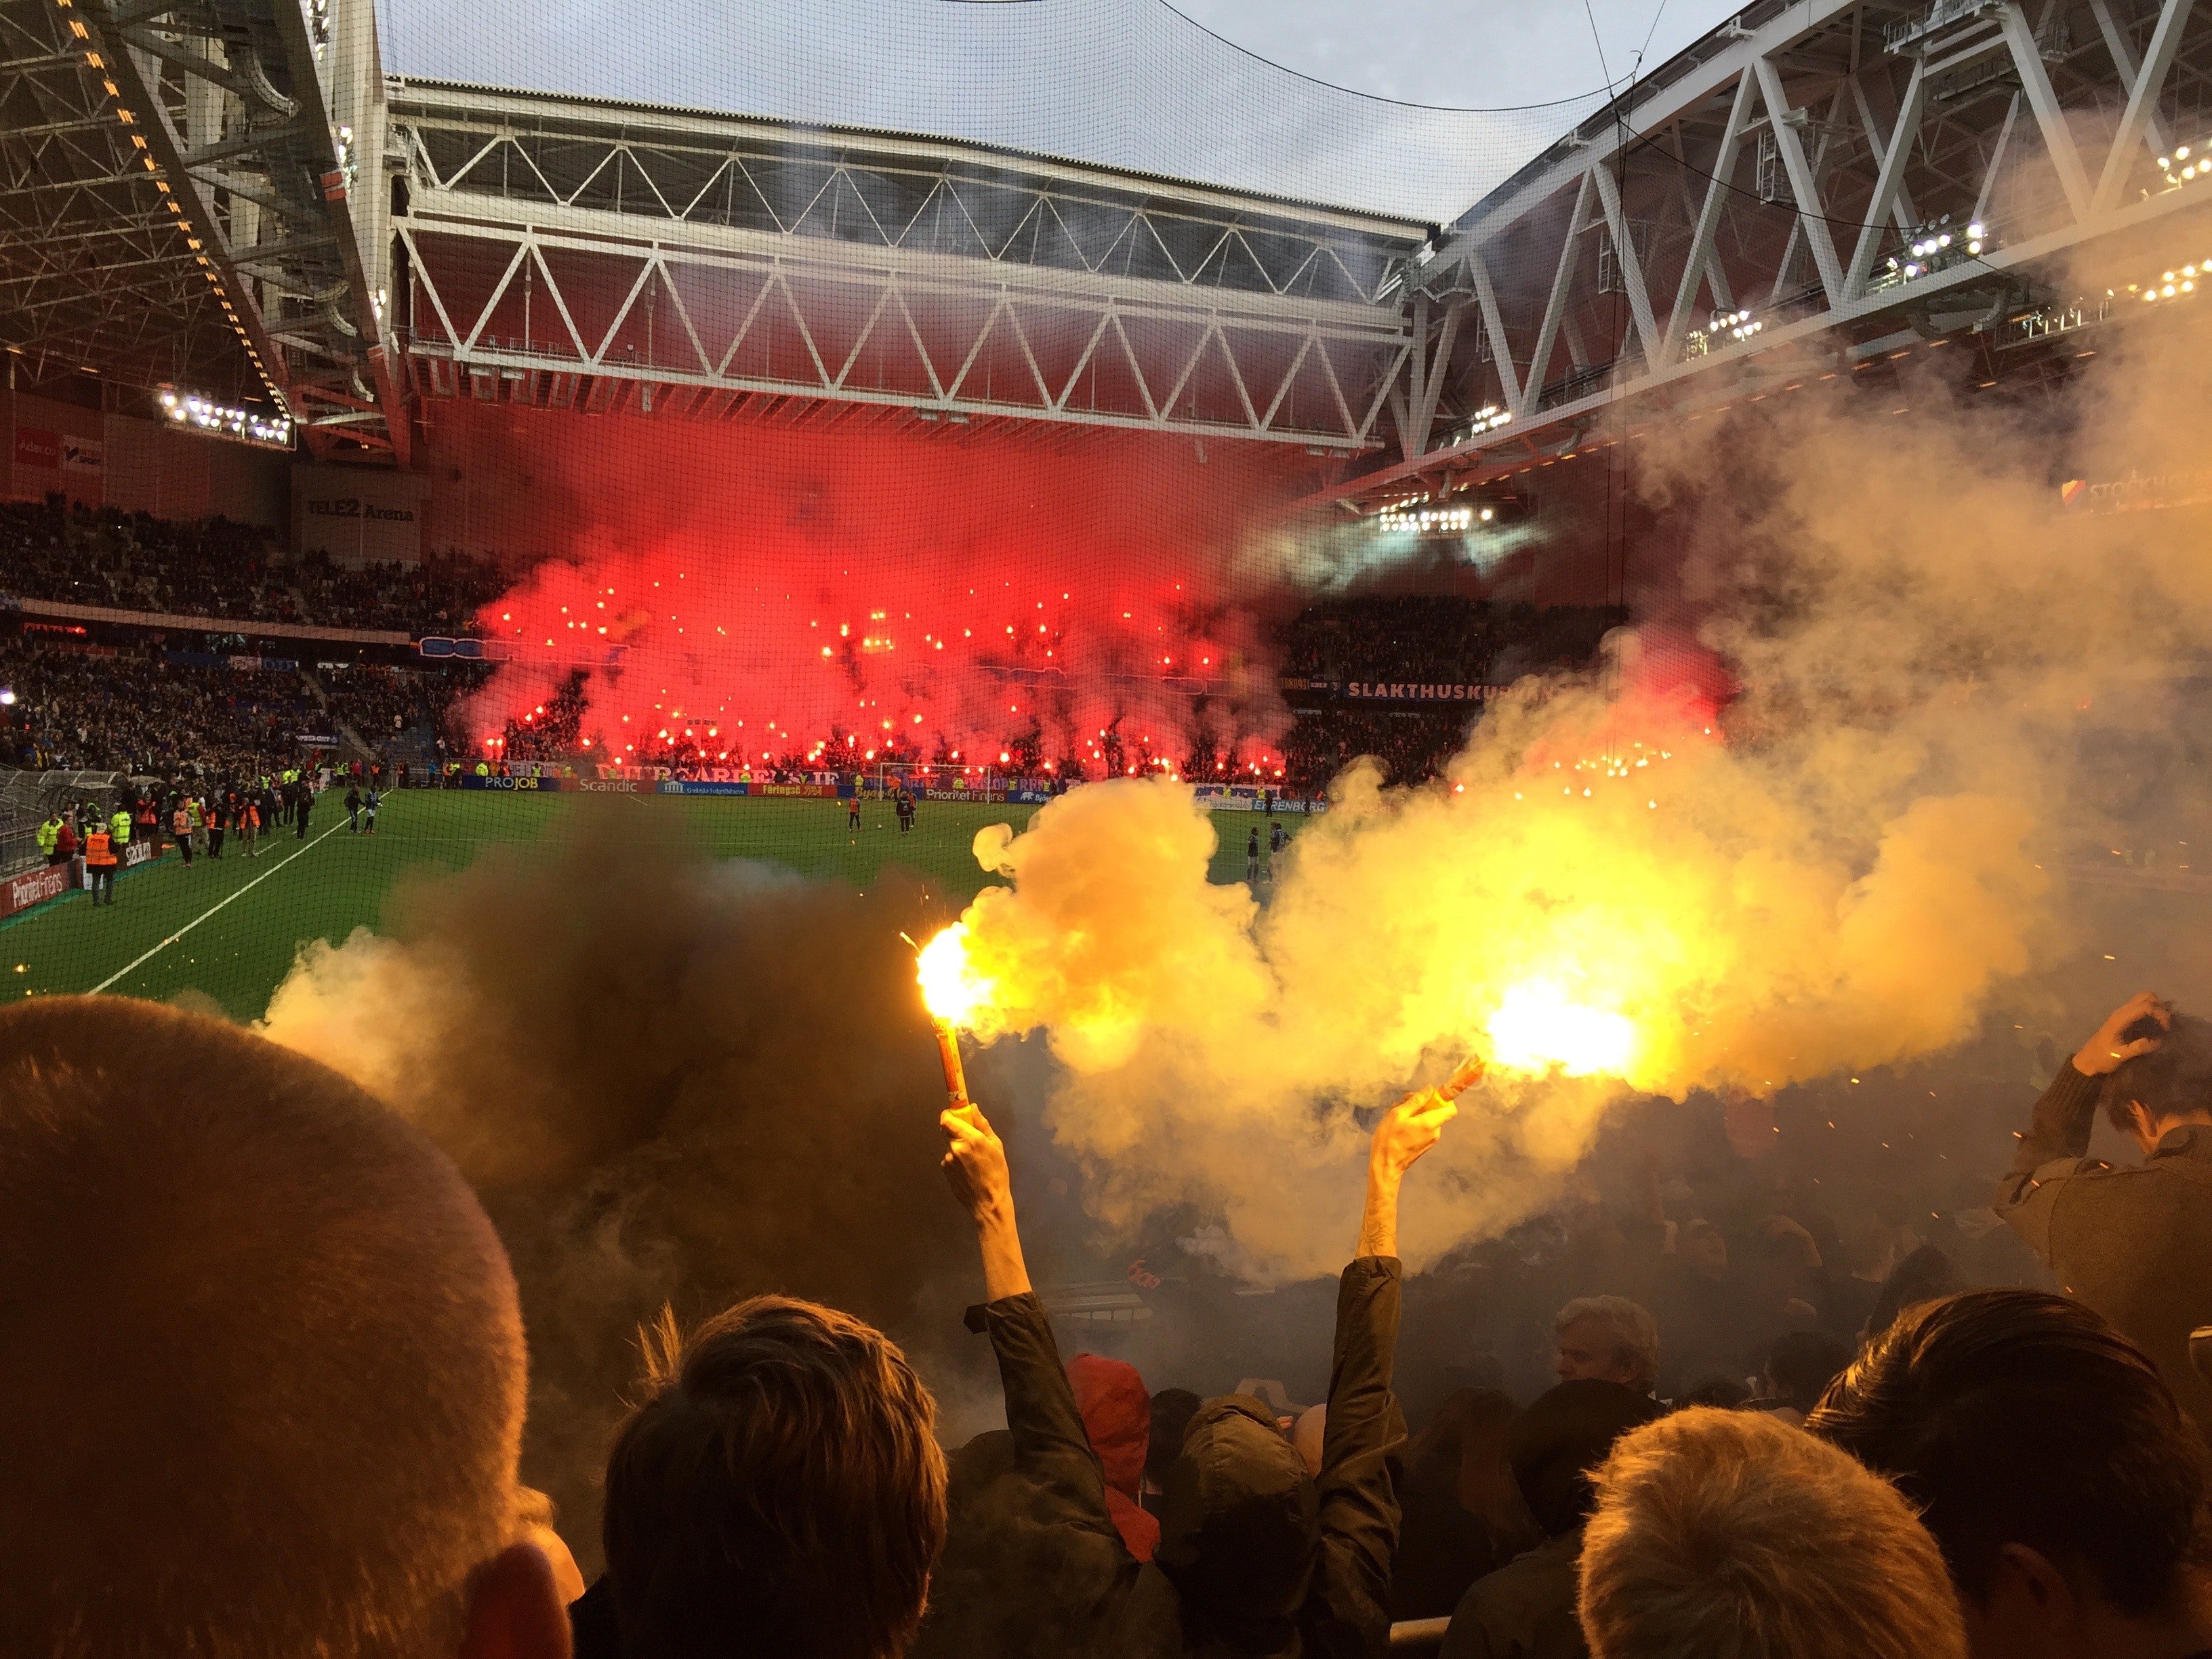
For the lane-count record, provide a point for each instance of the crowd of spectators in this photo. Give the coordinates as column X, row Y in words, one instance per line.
column 135, row 562
column 272, row 1403
column 114, row 709
column 1433, row 639
column 440, row 595
column 1438, row 637
column 216, row 568
column 140, row 708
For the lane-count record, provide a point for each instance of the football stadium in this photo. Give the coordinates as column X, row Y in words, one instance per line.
column 631, row 638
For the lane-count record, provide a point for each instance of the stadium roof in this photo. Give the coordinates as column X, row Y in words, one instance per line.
column 97, row 271
column 1129, row 84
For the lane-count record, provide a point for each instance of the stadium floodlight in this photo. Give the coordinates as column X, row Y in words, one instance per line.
column 1408, row 519
column 2185, row 166
column 6, row 697
column 1488, row 418
column 246, row 426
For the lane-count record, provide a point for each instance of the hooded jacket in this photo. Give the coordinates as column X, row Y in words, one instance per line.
column 1256, row 1558
column 1117, row 1417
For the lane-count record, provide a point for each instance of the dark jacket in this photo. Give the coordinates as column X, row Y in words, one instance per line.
column 1525, row 1610
column 2134, row 1244
column 1255, row 1560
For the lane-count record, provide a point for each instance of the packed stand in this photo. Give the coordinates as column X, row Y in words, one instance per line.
column 440, row 595
column 215, row 568
column 113, row 710
column 135, row 562
column 1421, row 639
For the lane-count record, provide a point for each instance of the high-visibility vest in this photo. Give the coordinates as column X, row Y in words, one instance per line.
column 50, row 833
column 483, row 770
column 97, row 852
column 120, row 825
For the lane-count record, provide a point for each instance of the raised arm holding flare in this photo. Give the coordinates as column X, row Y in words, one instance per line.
column 1255, row 1557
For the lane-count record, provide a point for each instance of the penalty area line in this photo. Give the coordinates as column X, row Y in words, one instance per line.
column 240, row 893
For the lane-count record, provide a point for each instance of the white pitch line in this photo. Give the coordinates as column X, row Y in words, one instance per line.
column 205, row 913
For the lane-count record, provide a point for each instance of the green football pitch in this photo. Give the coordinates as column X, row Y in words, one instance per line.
column 228, row 928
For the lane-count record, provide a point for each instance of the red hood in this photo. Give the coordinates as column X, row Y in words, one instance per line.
column 1117, row 1415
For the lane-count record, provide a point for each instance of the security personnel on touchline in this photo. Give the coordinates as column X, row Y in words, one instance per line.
column 482, row 770
column 99, row 862
column 50, row 837
column 119, row 826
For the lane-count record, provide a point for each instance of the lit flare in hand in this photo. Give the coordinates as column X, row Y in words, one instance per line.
column 952, row 993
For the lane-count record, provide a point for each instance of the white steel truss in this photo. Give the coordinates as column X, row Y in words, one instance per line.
column 586, row 255
column 2042, row 125
column 214, row 142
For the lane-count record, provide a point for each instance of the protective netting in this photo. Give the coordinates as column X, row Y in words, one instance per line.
column 826, row 462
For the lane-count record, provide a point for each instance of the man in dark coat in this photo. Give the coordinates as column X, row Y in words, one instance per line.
column 1526, row 1609
column 2135, row 1243
column 1256, row 1559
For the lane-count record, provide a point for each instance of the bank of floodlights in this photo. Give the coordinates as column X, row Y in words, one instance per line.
column 2186, row 166
column 1488, row 418
column 248, row 426
column 1938, row 248
column 1736, row 325
column 1408, row 519
column 2173, row 284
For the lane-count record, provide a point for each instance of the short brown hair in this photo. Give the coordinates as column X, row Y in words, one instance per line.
column 2019, row 1417
column 260, row 1349
column 1724, row 1535
column 781, row 1480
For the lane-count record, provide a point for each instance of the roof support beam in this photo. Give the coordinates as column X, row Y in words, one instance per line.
column 1802, row 185
column 2035, row 83
column 1889, row 182
column 2142, row 100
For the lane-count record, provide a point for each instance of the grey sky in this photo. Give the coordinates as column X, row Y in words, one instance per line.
column 1126, row 82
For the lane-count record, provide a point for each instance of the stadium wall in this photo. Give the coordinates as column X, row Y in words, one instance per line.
column 100, row 459
column 358, row 514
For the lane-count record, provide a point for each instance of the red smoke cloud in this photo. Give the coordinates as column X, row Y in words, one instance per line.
column 769, row 587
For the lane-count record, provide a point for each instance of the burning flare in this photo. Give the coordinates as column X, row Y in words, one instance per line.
column 950, row 988
column 952, row 992
column 1538, row 1026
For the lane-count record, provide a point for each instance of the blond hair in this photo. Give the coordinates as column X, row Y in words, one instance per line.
column 1732, row 1535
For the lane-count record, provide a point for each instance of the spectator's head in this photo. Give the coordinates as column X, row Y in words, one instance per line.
column 1465, row 1443
column 1732, row 1535
column 2046, row 1456
column 1607, row 1339
column 1703, row 1249
column 1801, row 1365
column 1561, row 1438
column 782, row 1478
column 1869, row 1249
column 262, row 1356
column 1117, row 1416
column 1239, row 1519
column 1926, row 1275
column 2169, row 1086
column 1172, row 1410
